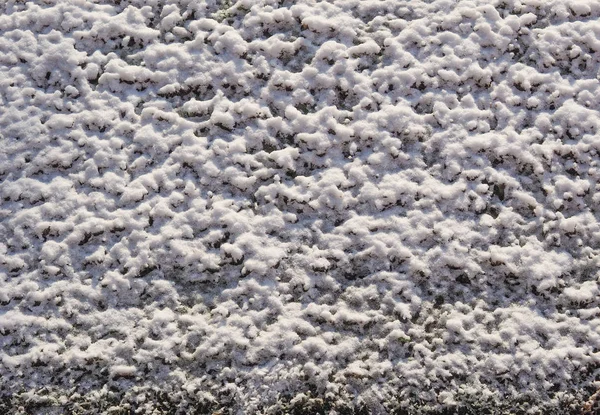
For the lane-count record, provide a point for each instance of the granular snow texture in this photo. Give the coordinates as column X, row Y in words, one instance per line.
column 264, row 206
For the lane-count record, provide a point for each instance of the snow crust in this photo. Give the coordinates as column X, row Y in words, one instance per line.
column 372, row 202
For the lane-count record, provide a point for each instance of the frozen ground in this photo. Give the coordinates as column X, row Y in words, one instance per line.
column 262, row 206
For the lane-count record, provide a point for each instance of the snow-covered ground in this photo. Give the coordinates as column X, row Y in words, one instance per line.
column 269, row 205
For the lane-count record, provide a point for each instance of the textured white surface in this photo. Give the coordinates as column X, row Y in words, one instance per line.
column 372, row 203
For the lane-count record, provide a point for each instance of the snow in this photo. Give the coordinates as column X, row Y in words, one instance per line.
column 262, row 204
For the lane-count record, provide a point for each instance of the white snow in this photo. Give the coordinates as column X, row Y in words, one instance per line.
column 270, row 203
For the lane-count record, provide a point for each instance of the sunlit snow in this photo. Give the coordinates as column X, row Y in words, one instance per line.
column 260, row 206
